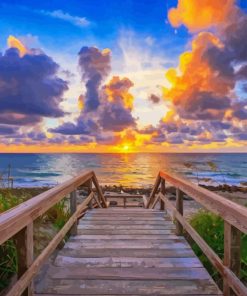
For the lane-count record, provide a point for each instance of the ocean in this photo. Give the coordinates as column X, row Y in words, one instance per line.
column 134, row 170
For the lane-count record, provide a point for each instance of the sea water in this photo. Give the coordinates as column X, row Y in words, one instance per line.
column 129, row 169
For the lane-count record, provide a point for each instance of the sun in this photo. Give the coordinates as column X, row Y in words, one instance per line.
column 125, row 148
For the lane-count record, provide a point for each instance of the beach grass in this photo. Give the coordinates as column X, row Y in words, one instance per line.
column 45, row 227
column 211, row 228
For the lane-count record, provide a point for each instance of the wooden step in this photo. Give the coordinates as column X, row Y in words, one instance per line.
column 128, row 287
column 126, row 252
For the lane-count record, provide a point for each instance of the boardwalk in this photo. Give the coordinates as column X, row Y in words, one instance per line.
column 126, row 252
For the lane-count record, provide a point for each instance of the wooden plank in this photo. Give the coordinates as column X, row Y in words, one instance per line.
column 113, row 294
column 73, row 205
column 17, row 218
column 126, row 236
column 124, row 218
column 125, row 222
column 157, row 198
column 145, row 201
column 24, row 247
column 125, row 244
column 232, row 280
column 118, row 227
column 95, row 241
column 126, row 231
column 127, row 252
column 231, row 212
column 128, row 262
column 154, row 190
column 232, row 253
column 179, row 208
column 113, row 216
column 133, row 273
column 128, row 210
column 26, row 278
column 99, row 191
column 122, row 195
column 111, row 287
column 163, row 191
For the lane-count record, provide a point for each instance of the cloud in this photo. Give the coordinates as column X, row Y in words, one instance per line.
column 103, row 108
column 7, row 130
column 117, row 104
column 198, row 15
column 29, row 86
column 77, row 21
column 154, row 99
column 95, row 66
column 83, row 126
column 113, row 112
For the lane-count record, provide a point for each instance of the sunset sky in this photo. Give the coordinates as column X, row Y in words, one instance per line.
column 123, row 76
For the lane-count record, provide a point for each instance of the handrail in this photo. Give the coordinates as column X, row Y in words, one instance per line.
column 18, row 223
column 231, row 212
column 235, row 221
column 13, row 220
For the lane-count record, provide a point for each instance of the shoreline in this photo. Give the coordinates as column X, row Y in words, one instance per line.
column 237, row 194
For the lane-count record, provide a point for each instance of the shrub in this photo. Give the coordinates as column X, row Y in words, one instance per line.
column 56, row 216
column 211, row 229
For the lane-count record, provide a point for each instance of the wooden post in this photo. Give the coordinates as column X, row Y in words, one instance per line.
column 124, row 200
column 73, row 205
column 24, row 247
column 89, row 190
column 232, row 252
column 163, row 191
column 179, row 207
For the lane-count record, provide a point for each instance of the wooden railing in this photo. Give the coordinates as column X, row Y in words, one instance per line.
column 17, row 223
column 235, row 222
column 125, row 197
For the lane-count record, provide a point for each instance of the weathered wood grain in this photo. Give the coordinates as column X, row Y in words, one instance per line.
column 24, row 247
column 124, row 244
column 126, row 231
column 118, row 227
column 125, row 222
column 179, row 208
column 129, row 256
column 161, row 237
column 232, row 280
column 129, row 253
column 17, row 218
column 111, row 287
column 231, row 212
column 128, row 273
column 28, row 275
column 128, row 262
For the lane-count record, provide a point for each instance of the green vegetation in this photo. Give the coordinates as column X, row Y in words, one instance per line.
column 211, row 229
column 45, row 228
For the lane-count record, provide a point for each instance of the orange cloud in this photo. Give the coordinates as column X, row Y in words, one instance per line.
column 118, row 90
column 13, row 42
column 201, row 14
column 81, row 102
column 195, row 85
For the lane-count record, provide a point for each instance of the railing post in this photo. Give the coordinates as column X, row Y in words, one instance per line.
column 24, row 247
column 89, row 190
column 73, row 205
column 232, row 252
column 163, row 191
column 179, row 207
column 124, row 201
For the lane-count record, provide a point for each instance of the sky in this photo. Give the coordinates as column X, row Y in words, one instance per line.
column 123, row 76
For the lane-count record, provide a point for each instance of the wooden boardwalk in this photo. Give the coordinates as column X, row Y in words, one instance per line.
column 133, row 250
column 126, row 251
